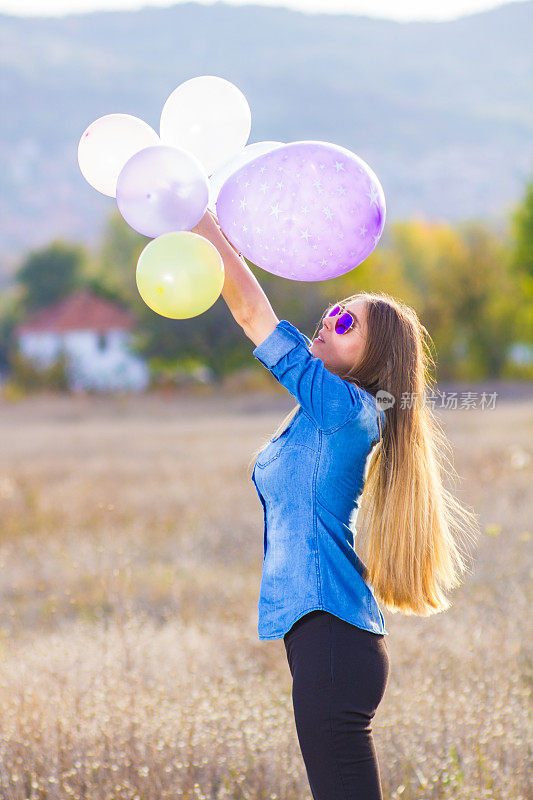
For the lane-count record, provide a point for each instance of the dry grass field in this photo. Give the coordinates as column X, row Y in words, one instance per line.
column 130, row 560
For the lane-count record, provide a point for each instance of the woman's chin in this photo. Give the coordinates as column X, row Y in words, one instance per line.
column 315, row 348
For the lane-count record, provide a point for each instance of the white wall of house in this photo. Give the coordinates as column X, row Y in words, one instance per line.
column 42, row 348
column 103, row 362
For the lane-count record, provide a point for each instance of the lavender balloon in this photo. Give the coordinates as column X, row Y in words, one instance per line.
column 162, row 189
column 307, row 210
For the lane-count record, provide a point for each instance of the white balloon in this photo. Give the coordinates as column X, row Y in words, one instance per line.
column 218, row 178
column 107, row 144
column 210, row 117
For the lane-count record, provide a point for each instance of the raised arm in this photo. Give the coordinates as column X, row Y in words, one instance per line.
column 241, row 291
column 280, row 346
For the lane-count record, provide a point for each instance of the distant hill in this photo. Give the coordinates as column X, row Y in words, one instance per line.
column 441, row 111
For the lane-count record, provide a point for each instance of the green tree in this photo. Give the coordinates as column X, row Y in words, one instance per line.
column 50, row 274
column 522, row 231
column 11, row 312
column 521, row 261
column 113, row 273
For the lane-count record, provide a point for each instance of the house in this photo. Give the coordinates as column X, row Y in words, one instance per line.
column 95, row 336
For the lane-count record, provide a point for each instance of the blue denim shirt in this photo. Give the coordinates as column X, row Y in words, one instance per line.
column 309, row 479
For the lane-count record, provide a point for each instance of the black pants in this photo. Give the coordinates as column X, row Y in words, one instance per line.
column 339, row 676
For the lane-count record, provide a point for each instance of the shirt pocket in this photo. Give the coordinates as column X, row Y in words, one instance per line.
column 273, row 450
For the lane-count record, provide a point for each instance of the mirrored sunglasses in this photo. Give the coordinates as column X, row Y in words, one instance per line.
column 345, row 321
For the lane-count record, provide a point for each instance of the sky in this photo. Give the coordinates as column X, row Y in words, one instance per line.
column 401, row 10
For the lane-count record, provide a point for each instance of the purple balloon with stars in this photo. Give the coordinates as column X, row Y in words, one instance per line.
column 307, row 211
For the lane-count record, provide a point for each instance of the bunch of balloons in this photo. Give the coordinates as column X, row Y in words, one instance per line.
column 304, row 210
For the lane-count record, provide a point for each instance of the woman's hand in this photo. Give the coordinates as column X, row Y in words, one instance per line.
column 209, row 228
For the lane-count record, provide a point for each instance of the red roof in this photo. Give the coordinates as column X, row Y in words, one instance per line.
column 80, row 310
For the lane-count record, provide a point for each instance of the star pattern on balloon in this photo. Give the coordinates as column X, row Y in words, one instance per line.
column 373, row 195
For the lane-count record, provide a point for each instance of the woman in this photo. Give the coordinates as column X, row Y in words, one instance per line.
column 316, row 593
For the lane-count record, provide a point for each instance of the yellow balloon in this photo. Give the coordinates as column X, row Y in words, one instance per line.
column 180, row 274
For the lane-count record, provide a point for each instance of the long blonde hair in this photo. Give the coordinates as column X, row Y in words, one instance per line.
column 413, row 526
